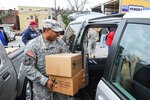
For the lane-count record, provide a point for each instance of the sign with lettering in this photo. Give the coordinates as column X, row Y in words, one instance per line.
column 134, row 5
column 135, row 8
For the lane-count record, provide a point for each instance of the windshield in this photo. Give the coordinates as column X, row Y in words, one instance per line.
column 6, row 28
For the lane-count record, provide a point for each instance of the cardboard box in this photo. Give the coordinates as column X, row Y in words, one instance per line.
column 65, row 64
column 67, row 85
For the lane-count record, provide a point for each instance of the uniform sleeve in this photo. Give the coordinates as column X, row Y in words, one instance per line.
column 64, row 47
column 89, row 34
column 29, row 63
column 97, row 36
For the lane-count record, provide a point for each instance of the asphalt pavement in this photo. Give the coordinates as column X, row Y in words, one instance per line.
column 16, row 43
column 101, row 52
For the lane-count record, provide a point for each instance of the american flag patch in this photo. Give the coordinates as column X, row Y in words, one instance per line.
column 30, row 54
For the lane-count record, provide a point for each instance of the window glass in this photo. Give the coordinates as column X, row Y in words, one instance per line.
column 71, row 33
column 30, row 9
column 131, row 69
column 31, row 16
column 49, row 17
column 6, row 28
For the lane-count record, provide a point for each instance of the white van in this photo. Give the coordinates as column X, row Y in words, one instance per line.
column 9, row 31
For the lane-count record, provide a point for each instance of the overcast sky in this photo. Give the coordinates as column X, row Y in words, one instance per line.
column 11, row 4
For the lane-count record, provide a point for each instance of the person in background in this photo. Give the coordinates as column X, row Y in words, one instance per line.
column 103, row 37
column 3, row 38
column 92, row 39
column 110, row 37
column 30, row 32
column 34, row 60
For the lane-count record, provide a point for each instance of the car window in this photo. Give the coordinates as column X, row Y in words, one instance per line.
column 131, row 68
column 7, row 28
column 71, row 33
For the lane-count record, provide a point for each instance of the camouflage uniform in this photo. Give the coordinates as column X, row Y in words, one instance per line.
column 34, row 64
column 93, row 37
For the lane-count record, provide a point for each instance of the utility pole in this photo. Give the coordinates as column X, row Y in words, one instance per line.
column 55, row 8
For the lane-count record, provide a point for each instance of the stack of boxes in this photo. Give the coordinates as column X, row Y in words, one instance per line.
column 66, row 71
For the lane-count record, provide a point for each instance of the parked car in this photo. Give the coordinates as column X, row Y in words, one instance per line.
column 9, row 31
column 13, row 83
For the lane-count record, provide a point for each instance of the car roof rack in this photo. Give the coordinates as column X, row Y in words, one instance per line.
column 109, row 16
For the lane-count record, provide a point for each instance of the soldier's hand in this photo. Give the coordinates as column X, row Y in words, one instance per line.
column 49, row 84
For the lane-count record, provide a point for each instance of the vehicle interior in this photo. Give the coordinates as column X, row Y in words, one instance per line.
column 94, row 65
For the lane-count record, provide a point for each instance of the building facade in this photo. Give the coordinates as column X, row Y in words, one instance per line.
column 9, row 17
column 38, row 14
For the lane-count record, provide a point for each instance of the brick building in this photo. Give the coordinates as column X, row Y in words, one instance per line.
column 10, row 17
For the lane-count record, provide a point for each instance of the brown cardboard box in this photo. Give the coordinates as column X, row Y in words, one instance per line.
column 65, row 64
column 67, row 85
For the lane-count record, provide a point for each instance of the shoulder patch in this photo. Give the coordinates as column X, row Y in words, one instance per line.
column 30, row 53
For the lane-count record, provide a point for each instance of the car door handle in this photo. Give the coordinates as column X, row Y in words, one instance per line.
column 6, row 76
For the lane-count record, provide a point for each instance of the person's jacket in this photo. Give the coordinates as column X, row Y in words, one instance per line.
column 2, row 39
column 110, row 38
column 28, row 34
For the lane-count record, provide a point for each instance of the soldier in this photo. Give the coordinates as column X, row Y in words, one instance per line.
column 34, row 61
column 93, row 37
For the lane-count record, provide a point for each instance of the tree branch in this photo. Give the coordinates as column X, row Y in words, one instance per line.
column 76, row 4
column 70, row 3
column 82, row 4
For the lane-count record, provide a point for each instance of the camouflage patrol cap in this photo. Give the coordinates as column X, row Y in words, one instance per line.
column 52, row 24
